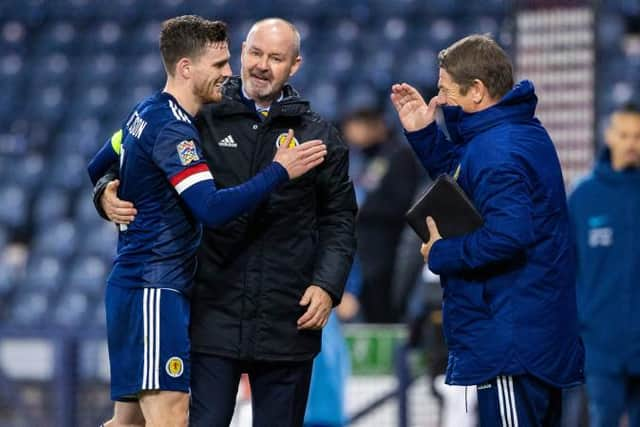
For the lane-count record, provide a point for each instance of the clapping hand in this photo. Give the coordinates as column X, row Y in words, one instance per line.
column 413, row 111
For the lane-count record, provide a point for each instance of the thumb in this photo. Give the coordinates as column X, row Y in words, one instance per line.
column 113, row 185
column 288, row 139
column 306, row 298
column 431, row 225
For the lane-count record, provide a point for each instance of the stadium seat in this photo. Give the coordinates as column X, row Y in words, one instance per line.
column 56, row 239
column 44, row 274
column 13, row 206
column 71, row 309
column 28, row 309
column 88, row 275
column 100, row 240
column 51, row 204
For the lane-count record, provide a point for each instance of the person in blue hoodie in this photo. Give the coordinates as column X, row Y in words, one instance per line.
column 509, row 296
column 604, row 210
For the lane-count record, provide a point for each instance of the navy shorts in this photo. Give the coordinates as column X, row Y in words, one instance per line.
column 148, row 340
column 519, row 401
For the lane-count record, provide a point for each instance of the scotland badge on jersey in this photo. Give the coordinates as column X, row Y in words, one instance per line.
column 187, row 152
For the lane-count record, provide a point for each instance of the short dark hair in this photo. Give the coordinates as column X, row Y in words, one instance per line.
column 478, row 57
column 628, row 108
column 187, row 36
column 364, row 114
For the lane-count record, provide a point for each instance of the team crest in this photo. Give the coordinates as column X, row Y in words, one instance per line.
column 283, row 137
column 187, row 152
column 174, row 367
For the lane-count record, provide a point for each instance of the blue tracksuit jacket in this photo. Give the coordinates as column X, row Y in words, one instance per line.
column 509, row 304
column 605, row 213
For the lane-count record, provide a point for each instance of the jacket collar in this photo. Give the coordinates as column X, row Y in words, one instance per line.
column 604, row 171
column 518, row 105
column 234, row 102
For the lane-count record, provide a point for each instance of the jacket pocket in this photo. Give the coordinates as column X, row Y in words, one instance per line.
column 469, row 306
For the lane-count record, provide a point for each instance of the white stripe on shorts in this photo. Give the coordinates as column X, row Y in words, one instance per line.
column 513, row 402
column 151, row 337
column 501, row 402
column 151, row 327
column 145, row 327
column 157, row 343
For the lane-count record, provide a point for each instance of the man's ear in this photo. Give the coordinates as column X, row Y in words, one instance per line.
column 479, row 91
column 183, row 68
column 296, row 65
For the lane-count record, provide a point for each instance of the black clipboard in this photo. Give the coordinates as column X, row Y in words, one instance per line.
column 449, row 206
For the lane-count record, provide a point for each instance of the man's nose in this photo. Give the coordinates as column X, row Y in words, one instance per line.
column 263, row 63
column 226, row 71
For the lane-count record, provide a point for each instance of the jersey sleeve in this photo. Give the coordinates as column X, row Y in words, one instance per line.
column 105, row 157
column 177, row 152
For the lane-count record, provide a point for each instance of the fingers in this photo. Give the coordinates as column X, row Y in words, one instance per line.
column 431, row 225
column 308, row 151
column 310, row 158
column 434, row 233
column 317, row 313
column 311, row 144
column 308, row 315
column 117, row 210
column 316, row 316
column 306, row 297
column 289, row 137
column 395, row 100
column 424, row 250
column 436, row 101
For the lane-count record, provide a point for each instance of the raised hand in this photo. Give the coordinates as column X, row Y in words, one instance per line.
column 302, row 158
column 413, row 111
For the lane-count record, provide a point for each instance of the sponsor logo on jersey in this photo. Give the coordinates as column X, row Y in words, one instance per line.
column 175, row 367
column 228, row 142
column 283, row 137
column 187, row 152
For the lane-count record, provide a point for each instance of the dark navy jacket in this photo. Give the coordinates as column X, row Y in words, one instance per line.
column 509, row 304
column 605, row 213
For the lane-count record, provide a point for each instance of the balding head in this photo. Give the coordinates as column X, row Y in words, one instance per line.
column 278, row 28
column 270, row 56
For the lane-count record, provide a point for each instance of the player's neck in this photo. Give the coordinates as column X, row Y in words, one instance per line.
column 184, row 96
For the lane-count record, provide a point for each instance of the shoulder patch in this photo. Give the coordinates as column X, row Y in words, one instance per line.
column 187, row 152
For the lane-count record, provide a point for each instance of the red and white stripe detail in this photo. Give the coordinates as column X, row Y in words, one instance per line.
column 190, row 176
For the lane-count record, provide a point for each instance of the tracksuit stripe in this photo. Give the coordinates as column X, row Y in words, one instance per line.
column 513, row 402
column 145, row 323
column 157, row 352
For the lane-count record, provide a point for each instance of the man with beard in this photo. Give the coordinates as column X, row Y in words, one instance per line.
column 163, row 173
column 266, row 282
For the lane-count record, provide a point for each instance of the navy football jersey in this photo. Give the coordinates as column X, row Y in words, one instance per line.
column 159, row 159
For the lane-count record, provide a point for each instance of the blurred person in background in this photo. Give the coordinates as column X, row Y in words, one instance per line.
column 266, row 282
column 604, row 209
column 509, row 304
column 385, row 176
